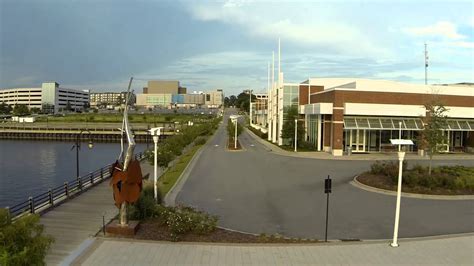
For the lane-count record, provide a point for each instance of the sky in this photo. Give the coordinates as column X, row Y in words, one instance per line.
column 206, row 45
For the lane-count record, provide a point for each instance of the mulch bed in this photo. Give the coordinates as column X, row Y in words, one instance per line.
column 231, row 145
column 384, row 182
column 154, row 230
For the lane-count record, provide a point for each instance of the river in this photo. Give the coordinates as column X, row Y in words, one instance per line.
column 28, row 168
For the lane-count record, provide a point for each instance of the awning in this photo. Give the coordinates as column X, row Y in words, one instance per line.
column 389, row 123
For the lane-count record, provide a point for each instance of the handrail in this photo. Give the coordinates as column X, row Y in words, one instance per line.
column 46, row 200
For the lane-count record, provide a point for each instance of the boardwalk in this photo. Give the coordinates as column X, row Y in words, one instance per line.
column 76, row 220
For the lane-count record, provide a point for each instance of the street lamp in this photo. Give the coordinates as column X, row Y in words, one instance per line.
column 234, row 119
column 77, row 145
column 401, row 156
column 156, row 132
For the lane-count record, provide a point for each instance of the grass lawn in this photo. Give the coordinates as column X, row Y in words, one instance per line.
column 168, row 179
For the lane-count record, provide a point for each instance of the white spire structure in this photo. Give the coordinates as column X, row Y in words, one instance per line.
column 269, row 93
column 279, row 63
column 426, row 64
column 274, row 98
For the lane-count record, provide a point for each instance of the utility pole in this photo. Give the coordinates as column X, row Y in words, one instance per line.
column 426, row 64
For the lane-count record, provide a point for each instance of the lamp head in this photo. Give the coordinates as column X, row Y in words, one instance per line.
column 90, row 144
column 156, row 131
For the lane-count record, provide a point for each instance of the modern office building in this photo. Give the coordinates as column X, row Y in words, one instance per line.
column 110, row 98
column 49, row 98
column 362, row 115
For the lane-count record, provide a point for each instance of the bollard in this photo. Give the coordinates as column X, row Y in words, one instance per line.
column 50, row 194
column 92, row 179
column 32, row 206
column 101, row 173
column 80, row 183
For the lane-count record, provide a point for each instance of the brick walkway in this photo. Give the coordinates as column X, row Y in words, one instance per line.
column 441, row 251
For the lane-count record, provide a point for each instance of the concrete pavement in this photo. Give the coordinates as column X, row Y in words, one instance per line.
column 441, row 251
column 259, row 191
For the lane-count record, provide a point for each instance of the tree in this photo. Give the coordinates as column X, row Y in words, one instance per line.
column 21, row 109
column 35, row 110
column 433, row 134
column 22, row 242
column 5, row 108
column 243, row 101
column 68, row 106
column 288, row 130
column 119, row 101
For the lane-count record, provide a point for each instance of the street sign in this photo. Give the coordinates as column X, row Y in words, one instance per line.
column 327, row 185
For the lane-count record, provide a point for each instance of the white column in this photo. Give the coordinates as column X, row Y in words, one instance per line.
column 155, row 169
column 401, row 155
column 319, row 135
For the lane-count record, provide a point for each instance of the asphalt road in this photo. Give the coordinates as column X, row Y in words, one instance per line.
column 257, row 191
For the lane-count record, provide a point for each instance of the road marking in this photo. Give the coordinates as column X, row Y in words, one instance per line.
column 218, row 199
column 217, row 145
column 252, row 145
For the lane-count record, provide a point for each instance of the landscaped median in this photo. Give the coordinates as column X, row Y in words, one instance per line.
column 444, row 180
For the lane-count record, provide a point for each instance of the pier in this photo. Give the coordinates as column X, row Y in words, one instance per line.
column 101, row 132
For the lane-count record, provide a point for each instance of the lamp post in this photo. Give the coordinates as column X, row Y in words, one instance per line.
column 234, row 118
column 77, row 145
column 155, row 132
column 296, row 133
column 401, row 156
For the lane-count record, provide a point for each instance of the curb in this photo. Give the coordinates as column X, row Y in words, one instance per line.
column 365, row 187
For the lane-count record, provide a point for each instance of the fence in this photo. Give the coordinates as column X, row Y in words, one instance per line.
column 59, row 194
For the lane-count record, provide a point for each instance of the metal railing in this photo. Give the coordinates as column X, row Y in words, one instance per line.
column 59, row 194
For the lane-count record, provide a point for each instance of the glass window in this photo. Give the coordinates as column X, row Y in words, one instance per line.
column 349, row 122
column 453, row 124
column 362, row 123
column 374, row 123
column 386, row 123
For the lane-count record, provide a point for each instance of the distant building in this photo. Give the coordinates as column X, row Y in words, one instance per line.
column 214, row 99
column 110, row 98
column 169, row 94
column 258, row 110
column 164, row 87
column 49, row 98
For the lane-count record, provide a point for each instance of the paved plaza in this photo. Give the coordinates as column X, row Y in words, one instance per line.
column 443, row 251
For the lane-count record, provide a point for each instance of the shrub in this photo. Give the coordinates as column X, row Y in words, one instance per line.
column 145, row 207
column 387, row 168
column 22, row 242
column 182, row 220
column 200, row 141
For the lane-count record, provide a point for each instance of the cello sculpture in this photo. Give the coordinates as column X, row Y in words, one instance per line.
column 126, row 172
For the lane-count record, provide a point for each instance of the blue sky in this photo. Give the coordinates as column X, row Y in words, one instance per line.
column 99, row 44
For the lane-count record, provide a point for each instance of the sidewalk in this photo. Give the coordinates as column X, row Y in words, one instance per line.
column 366, row 156
column 442, row 251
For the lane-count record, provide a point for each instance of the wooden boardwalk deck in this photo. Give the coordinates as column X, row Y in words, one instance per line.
column 76, row 220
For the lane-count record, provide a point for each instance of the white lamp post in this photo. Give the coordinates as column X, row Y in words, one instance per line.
column 234, row 118
column 296, row 133
column 155, row 132
column 401, row 156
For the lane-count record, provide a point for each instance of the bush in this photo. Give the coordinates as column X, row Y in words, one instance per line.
column 182, row 220
column 145, row 207
column 387, row 168
column 200, row 141
column 22, row 242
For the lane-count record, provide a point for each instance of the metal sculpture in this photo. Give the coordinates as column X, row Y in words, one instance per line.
column 126, row 172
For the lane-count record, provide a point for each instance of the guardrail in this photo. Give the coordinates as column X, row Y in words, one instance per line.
column 59, row 194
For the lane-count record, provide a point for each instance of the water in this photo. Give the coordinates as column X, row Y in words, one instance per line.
column 28, row 168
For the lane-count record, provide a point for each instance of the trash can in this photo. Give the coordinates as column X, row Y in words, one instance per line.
column 349, row 151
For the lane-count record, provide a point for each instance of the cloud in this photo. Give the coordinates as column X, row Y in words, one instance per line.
column 323, row 31
column 442, row 29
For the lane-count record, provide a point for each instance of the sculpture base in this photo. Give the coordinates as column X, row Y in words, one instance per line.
column 115, row 229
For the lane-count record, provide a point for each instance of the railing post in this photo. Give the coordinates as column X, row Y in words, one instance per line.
column 66, row 189
column 80, row 183
column 101, row 173
column 92, row 179
column 32, row 205
column 50, row 194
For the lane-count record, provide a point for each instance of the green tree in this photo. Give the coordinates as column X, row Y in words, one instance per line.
column 22, row 242
column 288, row 129
column 243, row 101
column 68, row 106
column 35, row 110
column 5, row 108
column 433, row 135
column 21, row 109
